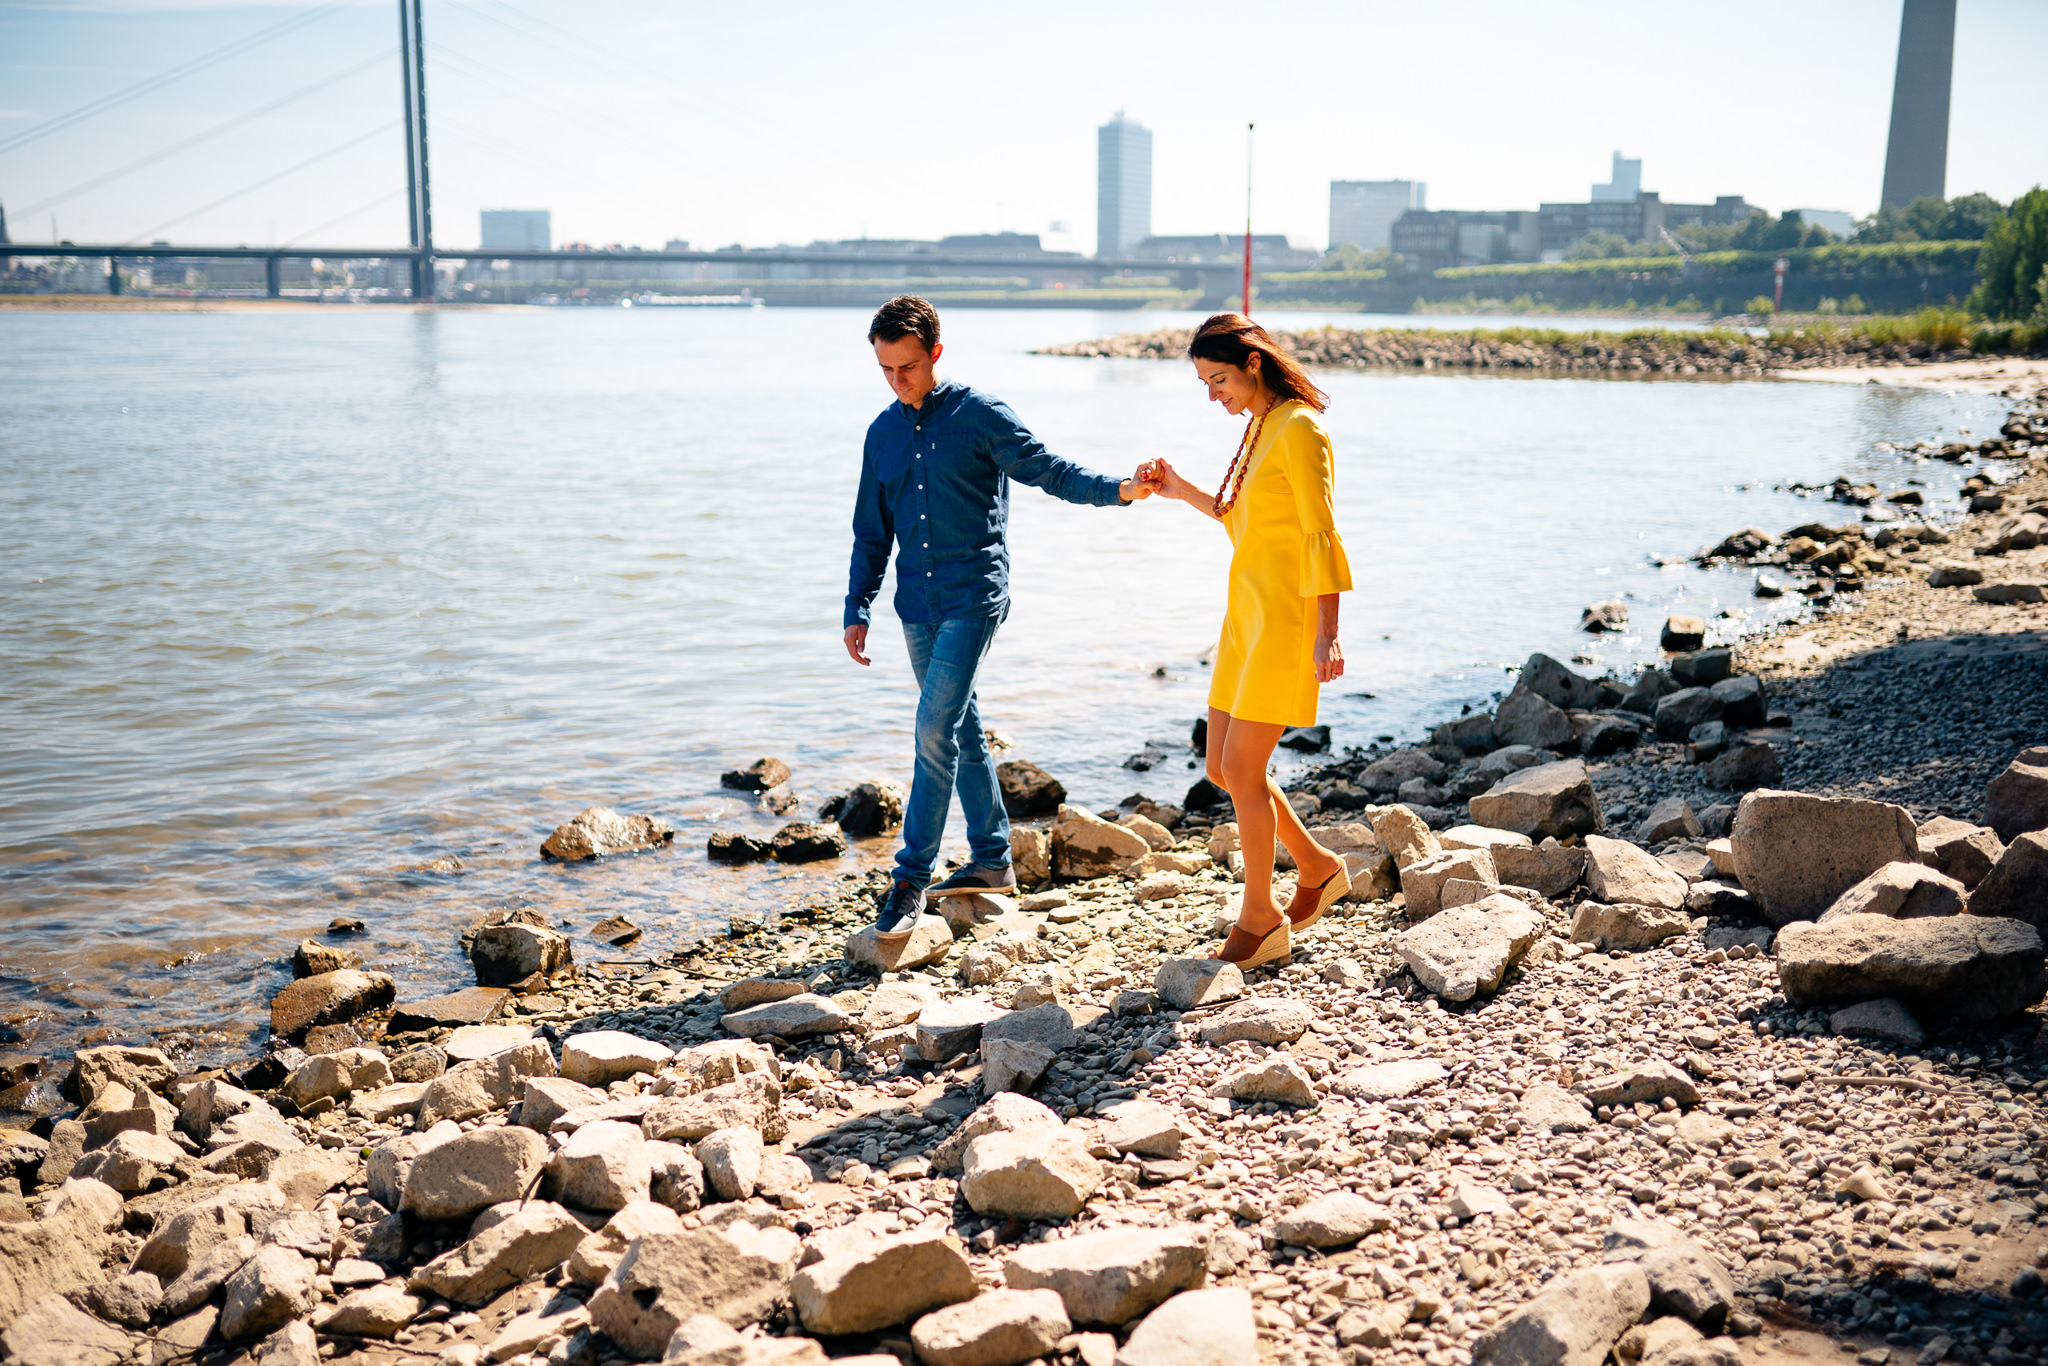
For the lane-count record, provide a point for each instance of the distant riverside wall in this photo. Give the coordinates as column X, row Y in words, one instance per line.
column 1645, row 352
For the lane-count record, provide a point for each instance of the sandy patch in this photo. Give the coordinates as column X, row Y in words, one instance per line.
column 1992, row 375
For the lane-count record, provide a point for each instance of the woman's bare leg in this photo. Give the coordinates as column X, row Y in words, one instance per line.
column 1246, row 749
column 1316, row 864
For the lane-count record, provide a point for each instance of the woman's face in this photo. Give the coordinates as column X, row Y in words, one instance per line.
column 1233, row 387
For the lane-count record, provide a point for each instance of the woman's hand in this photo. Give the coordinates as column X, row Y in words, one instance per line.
column 1329, row 659
column 1142, row 484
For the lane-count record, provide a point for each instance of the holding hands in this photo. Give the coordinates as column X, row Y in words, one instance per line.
column 1142, row 484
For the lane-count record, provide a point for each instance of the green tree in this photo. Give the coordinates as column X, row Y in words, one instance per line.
column 1968, row 218
column 2015, row 250
column 1598, row 246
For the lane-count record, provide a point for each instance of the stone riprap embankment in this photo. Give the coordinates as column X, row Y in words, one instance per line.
column 1650, row 351
column 1516, row 1102
column 1601, row 1061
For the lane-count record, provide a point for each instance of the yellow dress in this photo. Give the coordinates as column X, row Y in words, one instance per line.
column 1287, row 554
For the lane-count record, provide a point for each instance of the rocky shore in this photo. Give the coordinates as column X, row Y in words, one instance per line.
column 1650, row 351
column 1680, row 1020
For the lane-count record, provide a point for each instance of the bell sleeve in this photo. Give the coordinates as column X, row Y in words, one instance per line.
column 1311, row 469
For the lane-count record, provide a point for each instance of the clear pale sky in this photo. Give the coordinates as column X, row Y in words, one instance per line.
column 765, row 124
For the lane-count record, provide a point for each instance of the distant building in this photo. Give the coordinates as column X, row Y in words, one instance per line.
column 1362, row 212
column 1123, row 185
column 1726, row 209
column 517, row 229
column 1562, row 225
column 1836, row 221
column 1624, row 183
column 1916, row 154
column 1270, row 250
column 1459, row 237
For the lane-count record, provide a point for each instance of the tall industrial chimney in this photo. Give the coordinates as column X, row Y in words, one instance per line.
column 1916, row 158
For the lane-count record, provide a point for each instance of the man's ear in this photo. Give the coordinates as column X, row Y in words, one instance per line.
column 938, row 350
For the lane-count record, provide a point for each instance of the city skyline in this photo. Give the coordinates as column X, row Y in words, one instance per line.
column 693, row 136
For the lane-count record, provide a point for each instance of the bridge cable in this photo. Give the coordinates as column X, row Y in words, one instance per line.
column 359, row 209
column 163, row 78
column 253, row 186
column 210, row 133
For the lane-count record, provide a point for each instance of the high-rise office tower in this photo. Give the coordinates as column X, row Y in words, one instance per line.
column 1362, row 212
column 516, row 228
column 1123, row 185
column 1916, row 157
column 1624, row 182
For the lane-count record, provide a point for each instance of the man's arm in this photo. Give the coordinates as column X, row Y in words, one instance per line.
column 873, row 532
column 1024, row 458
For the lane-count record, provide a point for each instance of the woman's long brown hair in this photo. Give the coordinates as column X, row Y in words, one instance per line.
column 1232, row 339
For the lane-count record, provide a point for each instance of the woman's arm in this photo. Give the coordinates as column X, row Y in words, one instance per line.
column 1329, row 654
column 1174, row 486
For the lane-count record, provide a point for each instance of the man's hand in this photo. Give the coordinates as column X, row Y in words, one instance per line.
column 1146, row 482
column 857, row 644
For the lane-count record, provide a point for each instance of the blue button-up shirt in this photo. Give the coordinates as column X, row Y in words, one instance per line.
column 936, row 480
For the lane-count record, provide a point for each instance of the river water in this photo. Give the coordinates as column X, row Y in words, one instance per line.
column 297, row 603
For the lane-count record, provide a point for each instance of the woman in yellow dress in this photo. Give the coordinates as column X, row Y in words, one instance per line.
column 1279, row 641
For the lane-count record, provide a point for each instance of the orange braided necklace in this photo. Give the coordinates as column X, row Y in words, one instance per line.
column 1241, row 463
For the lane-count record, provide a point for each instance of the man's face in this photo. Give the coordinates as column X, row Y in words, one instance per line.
column 908, row 367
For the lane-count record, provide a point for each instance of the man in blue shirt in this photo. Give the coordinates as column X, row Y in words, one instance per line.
column 935, row 479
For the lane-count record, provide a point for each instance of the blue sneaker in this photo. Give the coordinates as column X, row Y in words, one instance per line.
column 974, row 879
column 901, row 906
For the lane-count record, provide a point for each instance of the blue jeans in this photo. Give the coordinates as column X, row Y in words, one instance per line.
column 952, row 751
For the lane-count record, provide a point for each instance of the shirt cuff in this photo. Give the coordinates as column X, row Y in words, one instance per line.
column 1324, row 566
column 857, row 614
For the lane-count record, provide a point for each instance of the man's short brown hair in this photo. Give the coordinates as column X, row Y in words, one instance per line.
column 906, row 315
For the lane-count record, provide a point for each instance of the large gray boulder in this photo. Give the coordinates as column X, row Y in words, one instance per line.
column 1030, row 1173
column 2016, row 801
column 1903, row 891
column 1086, row 846
column 61, row 1251
column 1963, row 851
column 482, row 1168
column 1000, row 1328
column 1113, row 1276
column 1797, row 853
column 1617, row 871
column 2017, row 885
column 1544, row 801
column 1468, row 950
column 1574, row 1322
column 1558, row 685
column 1211, row 1327
column 882, row 1283
column 739, row 1274
column 508, row 1244
column 1549, row 869
column 1969, row 967
column 598, row 830
column 1422, row 884
column 1627, row 926
column 1524, row 718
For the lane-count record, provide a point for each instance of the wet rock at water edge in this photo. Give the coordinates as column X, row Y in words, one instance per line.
column 1682, row 633
column 311, row 958
column 615, row 930
column 1610, row 615
column 762, row 775
column 727, row 846
column 329, row 998
column 1028, row 790
column 599, row 830
column 1306, row 739
column 866, row 809
column 511, row 946
column 804, row 842
column 1750, row 765
column 1527, row 718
